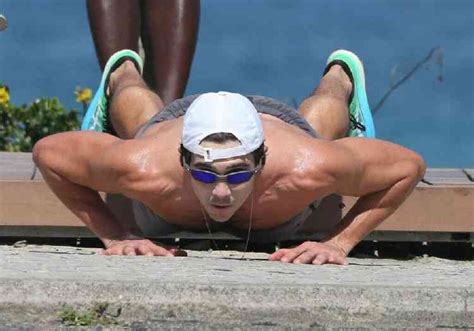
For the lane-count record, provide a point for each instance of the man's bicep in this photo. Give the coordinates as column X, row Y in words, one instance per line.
column 85, row 158
column 362, row 166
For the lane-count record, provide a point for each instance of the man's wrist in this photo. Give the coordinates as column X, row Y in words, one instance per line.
column 338, row 243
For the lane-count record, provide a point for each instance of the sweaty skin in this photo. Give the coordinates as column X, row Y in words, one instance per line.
column 299, row 169
column 77, row 164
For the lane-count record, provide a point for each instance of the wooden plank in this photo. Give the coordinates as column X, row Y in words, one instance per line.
column 46, row 231
column 407, row 236
column 83, row 232
column 441, row 176
column 32, row 203
column 446, row 207
column 429, row 208
column 432, row 208
column 16, row 165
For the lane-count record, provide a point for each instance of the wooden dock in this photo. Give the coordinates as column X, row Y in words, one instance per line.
column 440, row 209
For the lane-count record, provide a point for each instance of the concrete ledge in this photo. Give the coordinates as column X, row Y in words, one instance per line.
column 220, row 290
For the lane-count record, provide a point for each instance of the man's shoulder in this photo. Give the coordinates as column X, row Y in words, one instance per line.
column 143, row 163
column 299, row 164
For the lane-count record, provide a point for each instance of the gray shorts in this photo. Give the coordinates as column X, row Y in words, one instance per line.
column 152, row 224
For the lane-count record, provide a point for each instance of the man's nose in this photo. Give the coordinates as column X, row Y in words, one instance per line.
column 221, row 190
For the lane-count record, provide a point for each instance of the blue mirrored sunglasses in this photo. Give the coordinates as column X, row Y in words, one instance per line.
column 209, row 177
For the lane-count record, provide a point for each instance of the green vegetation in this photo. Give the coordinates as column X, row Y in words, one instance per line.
column 22, row 126
column 96, row 315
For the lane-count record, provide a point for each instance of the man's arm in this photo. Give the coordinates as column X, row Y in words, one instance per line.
column 381, row 173
column 76, row 165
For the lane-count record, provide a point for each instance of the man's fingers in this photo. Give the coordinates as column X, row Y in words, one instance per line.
column 129, row 250
column 113, row 251
column 293, row 253
column 278, row 254
column 288, row 254
column 337, row 260
column 288, row 257
column 160, row 251
column 306, row 257
column 144, row 250
column 309, row 252
column 139, row 247
column 321, row 258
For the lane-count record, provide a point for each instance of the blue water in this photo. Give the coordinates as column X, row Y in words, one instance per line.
column 278, row 48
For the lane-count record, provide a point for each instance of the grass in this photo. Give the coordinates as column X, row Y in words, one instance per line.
column 96, row 315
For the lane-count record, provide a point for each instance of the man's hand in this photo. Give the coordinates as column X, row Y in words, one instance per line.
column 311, row 252
column 139, row 247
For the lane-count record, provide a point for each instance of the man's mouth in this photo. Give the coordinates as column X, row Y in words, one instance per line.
column 220, row 206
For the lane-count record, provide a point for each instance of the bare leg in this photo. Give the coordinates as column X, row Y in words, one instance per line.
column 169, row 34
column 132, row 102
column 327, row 109
column 115, row 25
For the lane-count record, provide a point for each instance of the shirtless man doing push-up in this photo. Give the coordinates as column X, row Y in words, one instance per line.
column 224, row 161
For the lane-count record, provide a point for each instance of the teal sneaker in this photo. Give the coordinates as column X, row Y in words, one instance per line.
column 96, row 117
column 361, row 121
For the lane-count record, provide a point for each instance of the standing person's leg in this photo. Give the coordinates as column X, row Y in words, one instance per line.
column 327, row 109
column 115, row 25
column 169, row 34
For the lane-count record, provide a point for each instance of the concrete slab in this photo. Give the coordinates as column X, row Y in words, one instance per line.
column 220, row 290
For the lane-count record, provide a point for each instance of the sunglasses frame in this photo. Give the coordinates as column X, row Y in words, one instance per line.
column 218, row 176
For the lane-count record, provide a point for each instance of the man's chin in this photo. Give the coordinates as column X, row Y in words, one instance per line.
column 220, row 214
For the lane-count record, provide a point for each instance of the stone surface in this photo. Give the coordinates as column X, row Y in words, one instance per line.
column 220, row 289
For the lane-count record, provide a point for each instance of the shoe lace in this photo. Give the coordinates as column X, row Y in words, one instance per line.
column 104, row 104
column 356, row 124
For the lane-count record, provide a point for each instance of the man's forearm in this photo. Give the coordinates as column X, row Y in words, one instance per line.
column 86, row 204
column 368, row 212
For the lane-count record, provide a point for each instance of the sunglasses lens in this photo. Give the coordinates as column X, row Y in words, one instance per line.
column 240, row 177
column 204, row 177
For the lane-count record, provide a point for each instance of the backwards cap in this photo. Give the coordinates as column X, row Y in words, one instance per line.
column 222, row 112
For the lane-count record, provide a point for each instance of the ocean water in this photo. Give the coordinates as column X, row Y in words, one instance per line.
column 278, row 48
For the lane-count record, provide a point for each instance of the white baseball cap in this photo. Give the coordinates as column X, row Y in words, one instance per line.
column 222, row 112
